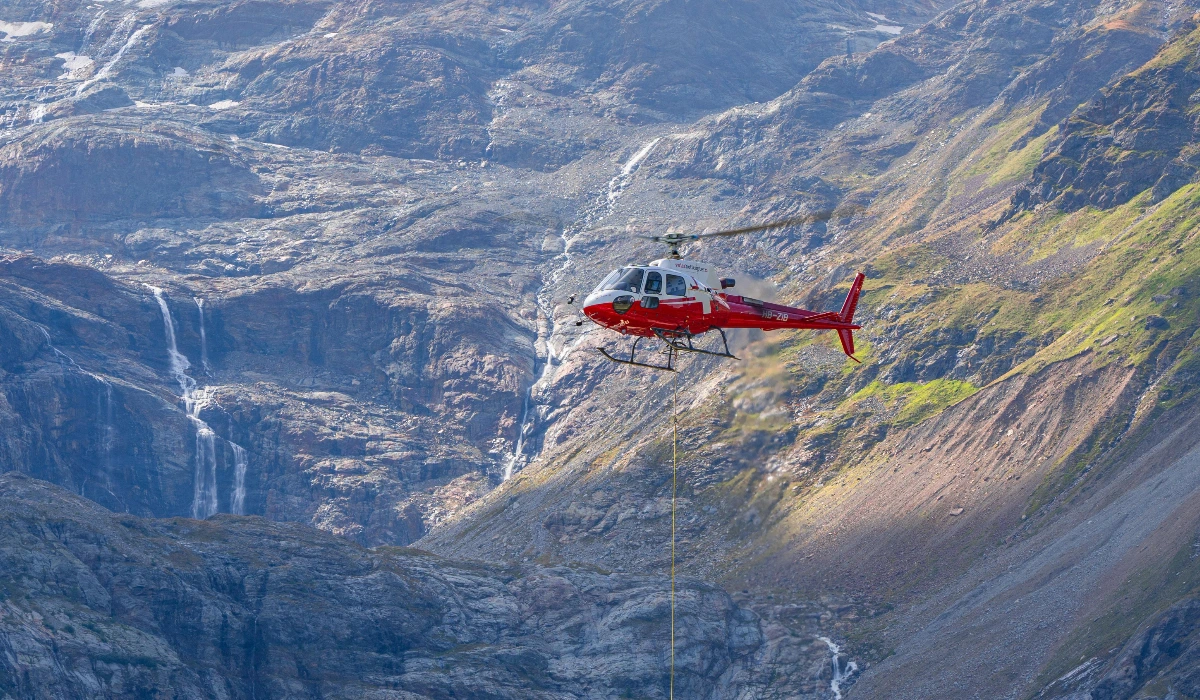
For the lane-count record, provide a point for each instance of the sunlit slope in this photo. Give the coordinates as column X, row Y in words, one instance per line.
column 1015, row 363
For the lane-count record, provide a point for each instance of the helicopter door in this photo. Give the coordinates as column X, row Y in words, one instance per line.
column 678, row 286
column 654, row 283
column 653, row 286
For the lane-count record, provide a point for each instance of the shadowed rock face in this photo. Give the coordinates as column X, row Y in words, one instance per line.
column 101, row 604
column 405, row 371
column 72, row 174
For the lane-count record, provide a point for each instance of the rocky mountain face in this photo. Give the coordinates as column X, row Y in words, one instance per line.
column 350, row 209
column 1136, row 134
column 311, row 261
column 98, row 604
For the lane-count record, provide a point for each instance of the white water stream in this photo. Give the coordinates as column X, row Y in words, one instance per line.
column 104, row 410
column 205, row 497
column 840, row 673
column 601, row 208
column 106, row 431
column 203, row 338
column 240, row 462
column 91, row 31
column 107, row 69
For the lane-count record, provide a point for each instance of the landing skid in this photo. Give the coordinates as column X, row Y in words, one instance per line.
column 674, row 341
column 673, row 338
column 672, row 353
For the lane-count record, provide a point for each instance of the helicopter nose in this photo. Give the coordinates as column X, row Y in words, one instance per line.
column 598, row 306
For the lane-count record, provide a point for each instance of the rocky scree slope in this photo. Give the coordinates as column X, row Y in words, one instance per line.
column 1017, row 368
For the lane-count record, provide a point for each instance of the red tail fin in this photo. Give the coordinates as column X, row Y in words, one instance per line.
column 847, row 316
column 851, row 302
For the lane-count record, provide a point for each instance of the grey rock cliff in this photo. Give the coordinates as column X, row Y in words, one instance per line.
column 99, row 604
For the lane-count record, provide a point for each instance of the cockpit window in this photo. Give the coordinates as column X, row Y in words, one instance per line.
column 630, row 280
column 653, row 283
column 608, row 281
column 676, row 286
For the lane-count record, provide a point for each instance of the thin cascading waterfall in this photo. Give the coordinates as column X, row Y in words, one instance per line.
column 616, row 186
column 204, row 485
column 519, row 451
column 122, row 26
column 498, row 94
column 600, row 208
column 107, row 69
column 203, row 338
column 240, row 463
column 106, row 431
column 64, row 360
column 91, row 31
column 840, row 673
column 178, row 363
column 205, row 501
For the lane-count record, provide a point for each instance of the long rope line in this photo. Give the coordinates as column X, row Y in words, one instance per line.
column 674, row 490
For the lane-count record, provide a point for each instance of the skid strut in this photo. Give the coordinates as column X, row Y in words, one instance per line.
column 672, row 353
column 676, row 342
column 675, row 338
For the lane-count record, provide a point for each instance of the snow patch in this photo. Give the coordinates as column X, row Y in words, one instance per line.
column 74, row 65
column 223, row 104
column 12, row 30
column 892, row 29
column 330, row 35
column 179, row 73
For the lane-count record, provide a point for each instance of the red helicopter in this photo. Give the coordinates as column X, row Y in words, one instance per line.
column 676, row 300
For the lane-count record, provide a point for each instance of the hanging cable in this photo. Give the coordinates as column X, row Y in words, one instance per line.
column 674, row 489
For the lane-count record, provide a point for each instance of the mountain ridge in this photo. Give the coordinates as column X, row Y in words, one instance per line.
column 392, row 203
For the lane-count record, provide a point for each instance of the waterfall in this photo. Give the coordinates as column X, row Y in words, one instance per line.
column 125, row 24
column 617, row 185
column 840, row 673
column 203, row 338
column 104, row 414
column 239, row 479
column 600, row 208
column 105, row 430
column 91, row 30
column 518, row 454
column 103, row 72
column 204, row 483
column 205, row 500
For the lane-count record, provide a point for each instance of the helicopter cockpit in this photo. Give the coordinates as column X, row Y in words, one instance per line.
column 640, row 280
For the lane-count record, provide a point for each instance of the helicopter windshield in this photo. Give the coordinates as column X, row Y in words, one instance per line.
column 627, row 279
column 608, row 281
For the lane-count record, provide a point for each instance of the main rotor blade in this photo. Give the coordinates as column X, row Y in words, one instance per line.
column 815, row 217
